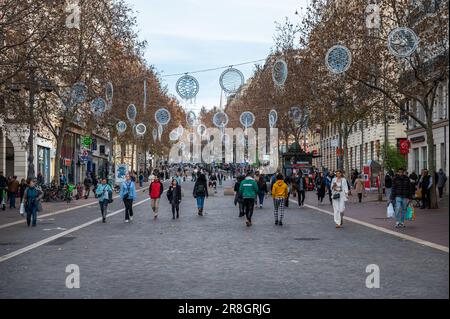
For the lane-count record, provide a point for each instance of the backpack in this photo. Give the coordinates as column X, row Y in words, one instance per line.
column 200, row 190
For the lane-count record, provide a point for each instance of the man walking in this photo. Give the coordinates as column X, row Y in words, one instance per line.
column 155, row 191
column 442, row 179
column 301, row 188
column 128, row 195
column 249, row 190
column 401, row 193
column 87, row 185
column 13, row 187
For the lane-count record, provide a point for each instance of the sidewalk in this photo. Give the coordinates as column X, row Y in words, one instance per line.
column 430, row 224
column 12, row 215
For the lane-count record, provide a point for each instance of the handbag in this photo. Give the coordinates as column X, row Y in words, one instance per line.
column 22, row 209
column 390, row 211
column 110, row 197
column 337, row 196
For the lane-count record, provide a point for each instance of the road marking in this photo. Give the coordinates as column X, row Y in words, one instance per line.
column 57, row 228
column 384, row 230
column 64, row 233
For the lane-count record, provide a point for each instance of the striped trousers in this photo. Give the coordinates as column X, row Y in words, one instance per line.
column 279, row 208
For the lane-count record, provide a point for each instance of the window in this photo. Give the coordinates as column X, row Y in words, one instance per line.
column 102, row 149
column 424, row 157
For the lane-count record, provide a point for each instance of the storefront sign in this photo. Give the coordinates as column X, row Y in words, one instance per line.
column 86, row 141
column 67, row 162
column 417, row 139
column 404, row 146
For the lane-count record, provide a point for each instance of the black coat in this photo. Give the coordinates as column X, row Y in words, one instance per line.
column 174, row 194
column 197, row 183
column 401, row 187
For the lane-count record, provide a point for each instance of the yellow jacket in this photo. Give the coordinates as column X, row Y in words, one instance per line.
column 279, row 189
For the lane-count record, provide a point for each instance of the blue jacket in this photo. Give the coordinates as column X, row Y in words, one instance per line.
column 128, row 187
column 100, row 192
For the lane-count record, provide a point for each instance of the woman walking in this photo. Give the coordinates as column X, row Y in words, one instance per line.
column 174, row 197
column 200, row 192
column 359, row 187
column 321, row 186
column 238, row 196
column 104, row 195
column 339, row 187
column 128, row 195
column 262, row 189
column 31, row 200
column 23, row 186
column 279, row 194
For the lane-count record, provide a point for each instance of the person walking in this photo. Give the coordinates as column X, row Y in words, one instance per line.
column 200, row 192
column 262, row 189
column 238, row 196
column 425, row 184
column 87, row 186
column 23, row 186
column 155, row 191
column 104, row 195
column 339, row 187
column 174, row 197
column 141, row 179
column 388, row 184
column 321, row 187
column 442, row 179
column 95, row 184
column 301, row 188
column 178, row 178
column 249, row 189
column 31, row 199
column 279, row 195
column 128, row 195
column 62, row 179
column 40, row 179
column 359, row 187
column 328, row 180
column 3, row 190
column 13, row 188
column 288, row 180
column 400, row 195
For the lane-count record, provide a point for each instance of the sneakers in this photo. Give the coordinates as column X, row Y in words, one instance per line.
column 248, row 223
column 338, row 226
column 397, row 225
column 280, row 223
column 276, row 222
column 103, row 220
column 260, row 206
column 402, row 225
column 127, row 221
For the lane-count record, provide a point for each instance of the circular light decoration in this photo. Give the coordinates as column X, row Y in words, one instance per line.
column 173, row 136
column 279, row 72
column 247, row 119
column 98, row 106
column 180, row 130
column 160, row 131
column 220, row 119
column 402, row 42
column 273, row 118
column 121, row 127
column 141, row 129
column 162, row 116
column 109, row 91
column 201, row 130
column 131, row 112
column 190, row 118
column 79, row 92
column 155, row 134
column 187, row 87
column 295, row 113
column 231, row 80
column 338, row 59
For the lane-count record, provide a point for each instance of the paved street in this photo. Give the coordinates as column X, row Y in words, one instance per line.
column 214, row 256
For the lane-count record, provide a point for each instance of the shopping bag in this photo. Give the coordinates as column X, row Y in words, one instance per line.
column 390, row 211
column 409, row 213
column 22, row 209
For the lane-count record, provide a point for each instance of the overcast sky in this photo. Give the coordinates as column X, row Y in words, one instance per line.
column 188, row 35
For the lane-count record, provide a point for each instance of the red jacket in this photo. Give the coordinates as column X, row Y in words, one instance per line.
column 155, row 190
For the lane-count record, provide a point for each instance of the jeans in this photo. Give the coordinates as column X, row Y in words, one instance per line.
column 401, row 205
column 12, row 200
column 248, row 204
column 128, row 208
column 388, row 193
column 261, row 198
column 31, row 211
column 301, row 198
column 104, row 208
column 200, row 201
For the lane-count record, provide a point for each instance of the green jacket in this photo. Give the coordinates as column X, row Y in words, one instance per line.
column 248, row 188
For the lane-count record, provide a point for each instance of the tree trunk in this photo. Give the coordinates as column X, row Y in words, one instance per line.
column 431, row 162
column 132, row 158
column 122, row 152
column 59, row 145
column 345, row 155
